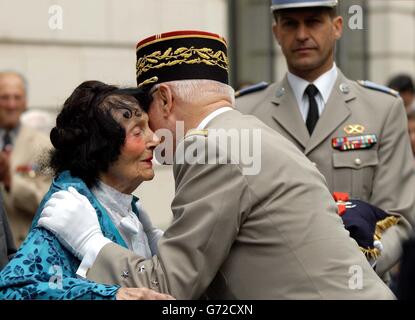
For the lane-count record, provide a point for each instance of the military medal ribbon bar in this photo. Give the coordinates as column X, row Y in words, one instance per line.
column 354, row 143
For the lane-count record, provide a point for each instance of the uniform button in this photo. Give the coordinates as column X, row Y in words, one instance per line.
column 314, row 164
column 358, row 162
column 280, row 92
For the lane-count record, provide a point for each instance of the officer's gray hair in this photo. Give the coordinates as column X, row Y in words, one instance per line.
column 191, row 91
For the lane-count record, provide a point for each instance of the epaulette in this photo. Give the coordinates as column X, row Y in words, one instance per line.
column 254, row 88
column 378, row 87
column 196, row 132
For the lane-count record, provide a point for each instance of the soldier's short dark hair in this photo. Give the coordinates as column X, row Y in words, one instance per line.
column 87, row 139
column 402, row 83
column 411, row 114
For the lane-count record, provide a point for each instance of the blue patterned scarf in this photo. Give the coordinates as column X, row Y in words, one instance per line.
column 43, row 269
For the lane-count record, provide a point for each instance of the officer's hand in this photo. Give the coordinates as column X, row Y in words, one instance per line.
column 72, row 219
column 141, row 294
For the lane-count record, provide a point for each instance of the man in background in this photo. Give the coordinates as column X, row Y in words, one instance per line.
column 22, row 186
column 411, row 129
column 405, row 86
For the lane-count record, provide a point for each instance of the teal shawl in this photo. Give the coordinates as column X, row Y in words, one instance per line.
column 43, row 269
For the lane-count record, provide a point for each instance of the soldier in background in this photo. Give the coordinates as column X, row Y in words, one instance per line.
column 354, row 132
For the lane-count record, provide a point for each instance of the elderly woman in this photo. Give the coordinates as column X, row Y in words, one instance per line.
column 103, row 149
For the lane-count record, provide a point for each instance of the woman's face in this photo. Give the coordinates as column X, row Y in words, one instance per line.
column 134, row 164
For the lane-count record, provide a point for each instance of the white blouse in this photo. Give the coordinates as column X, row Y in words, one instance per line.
column 137, row 232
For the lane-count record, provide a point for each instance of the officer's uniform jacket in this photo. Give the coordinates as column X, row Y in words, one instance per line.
column 28, row 186
column 274, row 234
column 381, row 173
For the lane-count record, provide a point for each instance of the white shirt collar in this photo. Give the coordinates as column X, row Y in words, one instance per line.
column 202, row 125
column 324, row 84
column 112, row 198
column 119, row 208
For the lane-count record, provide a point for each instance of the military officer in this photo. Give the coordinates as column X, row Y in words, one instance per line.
column 353, row 131
column 271, row 233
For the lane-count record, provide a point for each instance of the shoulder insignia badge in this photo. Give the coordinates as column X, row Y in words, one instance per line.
column 378, row 87
column 354, row 129
column 254, row 88
column 196, row 132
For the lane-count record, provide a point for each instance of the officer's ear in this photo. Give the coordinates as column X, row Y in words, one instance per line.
column 275, row 32
column 167, row 99
column 338, row 27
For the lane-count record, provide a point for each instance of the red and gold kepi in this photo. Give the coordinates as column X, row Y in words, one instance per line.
column 182, row 55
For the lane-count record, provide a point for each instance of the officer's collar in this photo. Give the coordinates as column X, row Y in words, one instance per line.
column 324, row 84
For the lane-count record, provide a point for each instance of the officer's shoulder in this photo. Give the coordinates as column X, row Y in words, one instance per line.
column 377, row 87
column 256, row 88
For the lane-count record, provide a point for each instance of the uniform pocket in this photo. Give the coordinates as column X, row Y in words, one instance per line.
column 353, row 172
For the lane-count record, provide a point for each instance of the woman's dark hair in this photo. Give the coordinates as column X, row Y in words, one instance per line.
column 87, row 138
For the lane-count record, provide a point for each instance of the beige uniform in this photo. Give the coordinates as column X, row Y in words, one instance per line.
column 28, row 186
column 272, row 235
column 382, row 175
